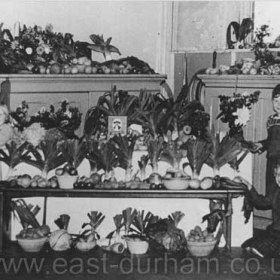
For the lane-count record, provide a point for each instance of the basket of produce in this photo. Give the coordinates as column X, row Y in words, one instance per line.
column 33, row 236
column 32, row 244
column 200, row 243
column 201, row 248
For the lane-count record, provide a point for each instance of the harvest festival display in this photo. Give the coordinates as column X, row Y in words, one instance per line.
column 158, row 126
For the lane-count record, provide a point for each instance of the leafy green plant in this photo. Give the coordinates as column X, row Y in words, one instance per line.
column 198, row 150
column 14, row 154
column 111, row 103
column 101, row 155
column 105, row 47
column 74, row 151
column 124, row 147
column 140, row 223
column 173, row 153
column 95, row 220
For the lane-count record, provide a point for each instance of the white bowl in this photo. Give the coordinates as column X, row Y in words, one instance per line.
column 137, row 247
column 32, row 245
column 66, row 181
column 176, row 183
column 201, row 249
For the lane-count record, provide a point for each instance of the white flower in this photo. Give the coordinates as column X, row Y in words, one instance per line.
column 68, row 114
column 245, row 93
column 243, row 116
column 47, row 49
column 29, row 50
column 34, row 134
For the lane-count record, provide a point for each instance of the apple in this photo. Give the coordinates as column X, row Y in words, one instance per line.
column 59, row 171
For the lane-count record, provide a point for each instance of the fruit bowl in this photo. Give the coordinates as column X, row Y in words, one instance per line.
column 176, row 183
column 32, row 245
column 201, row 249
column 66, row 181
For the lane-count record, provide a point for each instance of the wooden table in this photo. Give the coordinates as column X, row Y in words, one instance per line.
column 7, row 193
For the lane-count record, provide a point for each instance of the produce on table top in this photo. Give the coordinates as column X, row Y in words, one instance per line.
column 61, row 240
column 199, row 235
column 166, row 236
column 43, row 51
column 27, row 217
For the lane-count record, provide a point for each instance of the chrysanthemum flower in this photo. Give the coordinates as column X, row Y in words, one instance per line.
column 40, row 50
column 243, row 116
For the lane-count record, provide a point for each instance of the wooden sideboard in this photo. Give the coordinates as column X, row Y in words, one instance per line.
column 215, row 85
column 80, row 90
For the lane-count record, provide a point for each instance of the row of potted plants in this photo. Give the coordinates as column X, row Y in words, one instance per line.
column 135, row 230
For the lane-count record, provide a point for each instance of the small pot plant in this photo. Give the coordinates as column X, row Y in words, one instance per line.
column 137, row 222
column 88, row 238
column 117, row 243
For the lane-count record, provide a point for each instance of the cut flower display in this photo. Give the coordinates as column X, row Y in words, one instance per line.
column 235, row 110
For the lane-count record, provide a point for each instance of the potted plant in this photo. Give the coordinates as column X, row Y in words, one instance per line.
column 33, row 236
column 87, row 240
column 123, row 148
column 61, row 240
column 101, row 156
column 117, row 243
column 136, row 223
column 74, row 152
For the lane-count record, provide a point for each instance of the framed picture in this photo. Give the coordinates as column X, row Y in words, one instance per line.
column 117, row 125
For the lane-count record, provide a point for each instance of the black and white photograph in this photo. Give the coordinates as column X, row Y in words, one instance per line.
column 139, row 140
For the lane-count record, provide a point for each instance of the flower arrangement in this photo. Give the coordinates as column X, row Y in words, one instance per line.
column 33, row 47
column 37, row 50
column 66, row 118
column 235, row 110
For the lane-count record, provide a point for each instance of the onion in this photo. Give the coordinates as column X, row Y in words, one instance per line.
column 194, row 183
column 206, row 183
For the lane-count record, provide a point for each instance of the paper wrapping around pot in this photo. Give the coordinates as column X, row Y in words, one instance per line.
column 60, row 240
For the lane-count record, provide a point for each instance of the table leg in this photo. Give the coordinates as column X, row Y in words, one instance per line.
column 1, row 221
column 229, row 221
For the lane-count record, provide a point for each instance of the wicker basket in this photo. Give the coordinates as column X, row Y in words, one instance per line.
column 201, row 249
column 32, row 245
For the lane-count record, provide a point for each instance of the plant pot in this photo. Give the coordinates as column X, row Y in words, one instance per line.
column 66, row 181
column 137, row 246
